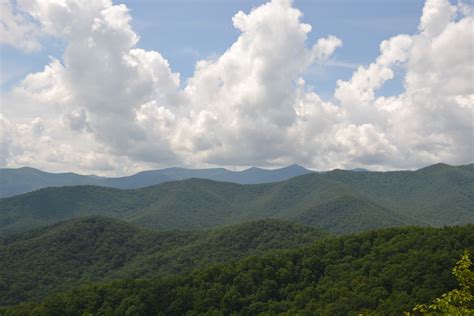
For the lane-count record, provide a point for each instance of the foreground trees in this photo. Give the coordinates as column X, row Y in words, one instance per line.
column 459, row 301
column 382, row 272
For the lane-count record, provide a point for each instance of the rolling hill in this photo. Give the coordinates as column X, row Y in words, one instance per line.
column 337, row 201
column 23, row 180
column 437, row 195
column 79, row 251
column 382, row 272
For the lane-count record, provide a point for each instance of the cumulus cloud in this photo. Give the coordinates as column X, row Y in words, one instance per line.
column 108, row 106
column 242, row 104
column 17, row 28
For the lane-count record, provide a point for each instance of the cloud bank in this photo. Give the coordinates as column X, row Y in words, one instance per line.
column 109, row 107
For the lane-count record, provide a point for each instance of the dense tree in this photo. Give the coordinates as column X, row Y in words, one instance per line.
column 457, row 302
column 378, row 272
column 91, row 249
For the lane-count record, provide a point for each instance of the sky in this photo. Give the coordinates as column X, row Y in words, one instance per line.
column 113, row 88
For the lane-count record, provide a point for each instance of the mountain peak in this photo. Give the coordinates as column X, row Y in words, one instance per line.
column 253, row 168
column 295, row 167
column 437, row 166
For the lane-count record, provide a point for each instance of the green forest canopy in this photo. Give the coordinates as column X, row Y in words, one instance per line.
column 382, row 272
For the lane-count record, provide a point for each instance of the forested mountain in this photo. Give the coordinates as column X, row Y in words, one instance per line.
column 437, row 195
column 71, row 253
column 375, row 273
column 22, row 180
column 337, row 201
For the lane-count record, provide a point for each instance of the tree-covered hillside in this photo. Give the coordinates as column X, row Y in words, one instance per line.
column 200, row 204
column 436, row 195
column 381, row 272
column 337, row 201
column 75, row 252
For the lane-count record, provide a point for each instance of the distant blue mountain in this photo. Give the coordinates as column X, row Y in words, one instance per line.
column 359, row 170
column 22, row 180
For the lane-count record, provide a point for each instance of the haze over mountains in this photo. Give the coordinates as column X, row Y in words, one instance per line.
column 22, row 180
column 338, row 201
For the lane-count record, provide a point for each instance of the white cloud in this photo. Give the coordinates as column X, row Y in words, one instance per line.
column 325, row 47
column 365, row 80
column 17, row 28
column 108, row 106
column 242, row 104
column 437, row 14
column 46, row 86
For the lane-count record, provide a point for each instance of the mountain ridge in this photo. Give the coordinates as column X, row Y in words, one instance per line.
column 21, row 180
column 336, row 201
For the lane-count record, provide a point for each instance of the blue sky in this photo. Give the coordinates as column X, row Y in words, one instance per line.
column 185, row 31
column 80, row 93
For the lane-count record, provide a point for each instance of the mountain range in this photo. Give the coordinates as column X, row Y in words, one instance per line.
column 22, row 180
column 338, row 201
column 324, row 243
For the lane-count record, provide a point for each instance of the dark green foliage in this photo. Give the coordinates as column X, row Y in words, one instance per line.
column 72, row 253
column 382, row 272
column 459, row 301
